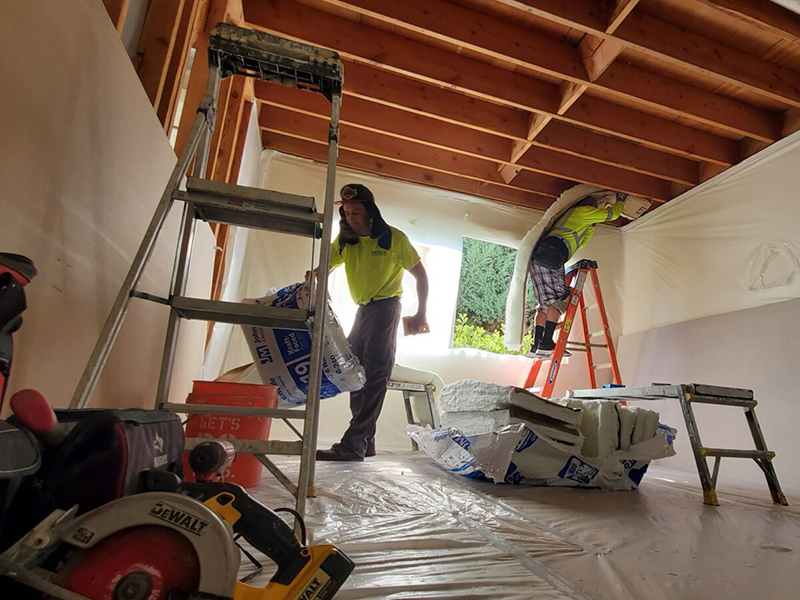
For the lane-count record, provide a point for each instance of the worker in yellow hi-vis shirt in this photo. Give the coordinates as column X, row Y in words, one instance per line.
column 568, row 234
column 374, row 256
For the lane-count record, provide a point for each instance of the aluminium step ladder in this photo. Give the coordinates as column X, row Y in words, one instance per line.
column 238, row 51
column 695, row 393
column 576, row 278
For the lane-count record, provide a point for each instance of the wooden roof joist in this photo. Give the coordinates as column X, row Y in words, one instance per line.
column 397, row 135
column 315, row 129
column 666, row 42
column 392, row 52
column 317, row 150
column 767, row 16
column 485, row 143
column 498, row 39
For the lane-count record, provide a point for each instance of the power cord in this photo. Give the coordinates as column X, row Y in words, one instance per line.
column 299, row 519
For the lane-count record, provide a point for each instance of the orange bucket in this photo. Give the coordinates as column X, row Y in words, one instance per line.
column 246, row 470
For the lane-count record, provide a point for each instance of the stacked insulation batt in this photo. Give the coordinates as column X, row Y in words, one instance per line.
column 475, row 407
column 609, row 426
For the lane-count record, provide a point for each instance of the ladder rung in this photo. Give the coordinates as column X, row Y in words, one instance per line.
column 601, row 366
column 695, row 399
column 240, row 314
column 253, row 446
column 725, row 452
column 251, row 207
column 584, row 345
column 595, row 334
column 245, row 411
column 590, row 307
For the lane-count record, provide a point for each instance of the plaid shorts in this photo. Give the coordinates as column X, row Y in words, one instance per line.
column 549, row 287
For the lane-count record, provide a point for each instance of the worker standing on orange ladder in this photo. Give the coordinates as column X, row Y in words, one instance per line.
column 571, row 232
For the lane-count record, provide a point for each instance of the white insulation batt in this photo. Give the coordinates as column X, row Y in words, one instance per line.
column 475, row 407
column 509, row 435
column 475, row 422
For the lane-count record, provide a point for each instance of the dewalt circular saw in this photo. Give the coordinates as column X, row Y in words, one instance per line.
column 174, row 543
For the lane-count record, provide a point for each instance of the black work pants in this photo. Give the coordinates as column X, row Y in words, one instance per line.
column 373, row 340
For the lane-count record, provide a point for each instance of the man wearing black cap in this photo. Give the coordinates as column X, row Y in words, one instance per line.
column 374, row 256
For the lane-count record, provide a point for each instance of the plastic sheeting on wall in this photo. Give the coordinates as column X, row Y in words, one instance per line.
column 727, row 246
column 83, row 163
column 249, row 175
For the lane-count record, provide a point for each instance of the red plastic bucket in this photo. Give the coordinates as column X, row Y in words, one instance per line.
column 246, row 470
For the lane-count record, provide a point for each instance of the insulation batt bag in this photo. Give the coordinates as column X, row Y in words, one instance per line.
column 519, row 454
column 282, row 356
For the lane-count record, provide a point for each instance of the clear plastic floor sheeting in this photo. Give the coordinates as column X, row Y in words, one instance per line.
column 415, row 531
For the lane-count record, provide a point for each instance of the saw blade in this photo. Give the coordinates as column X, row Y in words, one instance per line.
column 139, row 563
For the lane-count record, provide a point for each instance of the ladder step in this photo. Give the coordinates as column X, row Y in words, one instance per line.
column 240, row 314
column 244, row 411
column 583, row 264
column 590, row 307
column 253, row 446
column 731, row 453
column 595, row 334
column 716, row 390
column 724, row 452
column 601, row 366
column 252, row 207
column 268, row 57
column 404, row 386
column 694, row 399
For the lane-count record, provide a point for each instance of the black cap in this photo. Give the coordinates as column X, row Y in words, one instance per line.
column 355, row 192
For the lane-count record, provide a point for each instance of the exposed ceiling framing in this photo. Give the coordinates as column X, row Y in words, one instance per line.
column 516, row 100
column 511, row 100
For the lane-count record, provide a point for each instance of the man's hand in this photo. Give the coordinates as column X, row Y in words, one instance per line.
column 315, row 273
column 416, row 324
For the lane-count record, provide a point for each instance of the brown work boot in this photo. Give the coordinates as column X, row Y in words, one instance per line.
column 339, row 453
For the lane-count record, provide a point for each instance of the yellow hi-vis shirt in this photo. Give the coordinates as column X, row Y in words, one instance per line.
column 577, row 225
column 372, row 272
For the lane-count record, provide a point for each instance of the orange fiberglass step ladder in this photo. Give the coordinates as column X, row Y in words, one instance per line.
column 576, row 278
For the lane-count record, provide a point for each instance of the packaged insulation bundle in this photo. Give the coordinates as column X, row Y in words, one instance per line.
column 508, row 435
column 282, row 356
